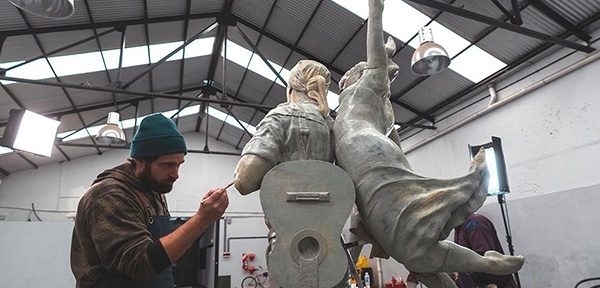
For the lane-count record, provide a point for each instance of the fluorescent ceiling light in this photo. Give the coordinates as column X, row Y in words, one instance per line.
column 474, row 64
column 30, row 132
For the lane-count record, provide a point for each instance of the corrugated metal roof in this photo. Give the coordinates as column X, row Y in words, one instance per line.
column 158, row 8
column 9, row 18
column 208, row 6
column 250, row 11
column 326, row 37
column 113, row 10
column 575, row 11
column 435, row 89
column 290, row 19
column 19, row 48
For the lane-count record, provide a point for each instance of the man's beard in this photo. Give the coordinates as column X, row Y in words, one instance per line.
column 149, row 181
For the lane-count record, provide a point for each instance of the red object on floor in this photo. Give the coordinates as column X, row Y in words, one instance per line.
column 395, row 284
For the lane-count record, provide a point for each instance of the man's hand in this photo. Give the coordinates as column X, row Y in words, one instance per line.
column 213, row 205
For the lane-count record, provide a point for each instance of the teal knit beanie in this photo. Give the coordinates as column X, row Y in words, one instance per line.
column 157, row 135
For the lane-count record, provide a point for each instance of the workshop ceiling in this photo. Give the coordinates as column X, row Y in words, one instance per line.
column 143, row 56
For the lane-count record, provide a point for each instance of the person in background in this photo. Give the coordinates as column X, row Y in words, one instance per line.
column 122, row 235
column 478, row 234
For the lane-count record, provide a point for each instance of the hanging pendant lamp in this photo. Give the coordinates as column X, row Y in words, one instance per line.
column 57, row 9
column 111, row 133
column 430, row 57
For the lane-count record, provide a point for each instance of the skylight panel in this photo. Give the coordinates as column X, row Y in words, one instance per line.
column 403, row 21
column 476, row 64
column 158, row 51
column 452, row 42
column 200, row 47
column 92, row 61
column 241, row 56
column 37, row 69
column 132, row 56
column 76, row 64
column 4, row 150
column 229, row 120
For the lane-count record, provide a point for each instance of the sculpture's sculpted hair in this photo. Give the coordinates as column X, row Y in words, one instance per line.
column 312, row 79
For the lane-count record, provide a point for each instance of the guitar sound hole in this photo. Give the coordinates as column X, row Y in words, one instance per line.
column 308, row 248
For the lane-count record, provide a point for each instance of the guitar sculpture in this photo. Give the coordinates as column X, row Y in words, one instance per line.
column 307, row 203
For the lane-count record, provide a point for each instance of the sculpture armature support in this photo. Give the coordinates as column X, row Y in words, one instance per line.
column 407, row 214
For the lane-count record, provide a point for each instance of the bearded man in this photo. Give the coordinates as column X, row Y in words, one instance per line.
column 122, row 235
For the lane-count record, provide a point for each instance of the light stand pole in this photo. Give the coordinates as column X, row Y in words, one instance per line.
column 511, row 248
column 498, row 185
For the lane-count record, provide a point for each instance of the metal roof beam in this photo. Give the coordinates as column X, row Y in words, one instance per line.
column 109, row 24
column 4, row 172
column 147, row 38
column 89, row 12
column 517, row 12
column 224, row 19
column 2, row 39
column 162, row 60
column 129, row 92
column 255, row 49
column 65, row 92
column 101, row 119
column 61, row 49
column 500, row 24
column 414, row 110
column 506, row 12
column 123, row 147
column 133, row 100
column 419, row 80
column 548, row 11
column 237, row 91
column 26, row 159
column 262, row 31
column 186, row 25
column 290, row 46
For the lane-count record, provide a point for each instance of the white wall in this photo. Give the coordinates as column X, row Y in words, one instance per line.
column 29, row 247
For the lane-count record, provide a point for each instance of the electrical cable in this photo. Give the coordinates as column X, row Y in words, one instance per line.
column 35, row 213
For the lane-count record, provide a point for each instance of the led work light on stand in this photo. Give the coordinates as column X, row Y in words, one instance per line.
column 498, row 184
column 29, row 132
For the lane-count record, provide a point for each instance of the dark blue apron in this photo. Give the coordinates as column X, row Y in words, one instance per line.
column 159, row 226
